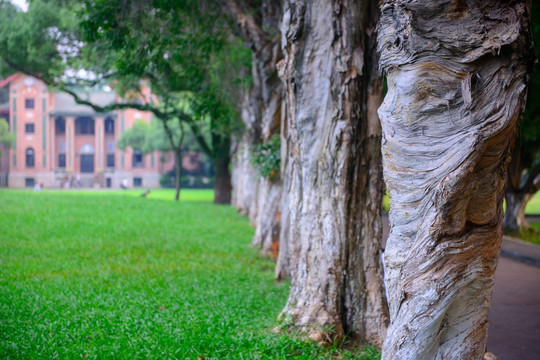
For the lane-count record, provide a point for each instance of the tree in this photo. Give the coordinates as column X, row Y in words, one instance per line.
column 457, row 75
column 180, row 49
column 331, row 221
column 259, row 197
column 6, row 138
column 524, row 168
column 151, row 137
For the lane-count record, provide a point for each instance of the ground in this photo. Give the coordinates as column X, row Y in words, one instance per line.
column 97, row 275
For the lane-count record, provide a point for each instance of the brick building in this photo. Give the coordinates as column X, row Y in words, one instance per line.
column 60, row 143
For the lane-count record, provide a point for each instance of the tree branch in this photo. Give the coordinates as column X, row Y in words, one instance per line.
column 250, row 30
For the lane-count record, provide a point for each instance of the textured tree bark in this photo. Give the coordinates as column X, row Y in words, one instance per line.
column 254, row 196
column 269, row 220
column 245, row 180
column 332, row 176
column 457, row 73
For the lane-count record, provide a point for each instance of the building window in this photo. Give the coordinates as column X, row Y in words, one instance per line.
column 29, row 103
column 85, row 126
column 29, row 182
column 137, row 161
column 60, row 126
column 62, row 146
column 110, row 146
column 109, row 126
column 62, row 160
column 110, row 160
column 137, row 182
column 30, row 158
column 29, row 128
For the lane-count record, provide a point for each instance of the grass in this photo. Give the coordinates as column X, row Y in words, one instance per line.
column 533, row 206
column 111, row 275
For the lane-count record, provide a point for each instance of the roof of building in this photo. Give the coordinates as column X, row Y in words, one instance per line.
column 9, row 79
column 65, row 105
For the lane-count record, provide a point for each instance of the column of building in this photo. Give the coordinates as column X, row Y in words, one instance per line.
column 70, row 143
column 52, row 143
column 99, row 135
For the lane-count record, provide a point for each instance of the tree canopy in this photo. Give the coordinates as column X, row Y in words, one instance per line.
column 182, row 50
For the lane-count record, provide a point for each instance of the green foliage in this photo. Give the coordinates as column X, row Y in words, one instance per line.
column 135, row 137
column 144, row 278
column 266, row 157
column 529, row 129
column 6, row 138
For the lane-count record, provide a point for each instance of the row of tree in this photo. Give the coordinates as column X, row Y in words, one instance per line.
column 307, row 169
column 445, row 147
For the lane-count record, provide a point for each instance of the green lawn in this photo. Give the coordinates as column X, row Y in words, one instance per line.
column 111, row 275
column 533, row 206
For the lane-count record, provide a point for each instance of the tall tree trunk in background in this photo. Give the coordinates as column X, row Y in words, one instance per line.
column 267, row 232
column 457, row 76
column 178, row 173
column 222, row 185
column 522, row 184
column 332, row 177
column 245, row 178
column 254, row 196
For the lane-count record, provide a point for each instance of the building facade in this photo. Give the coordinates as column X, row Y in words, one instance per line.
column 61, row 144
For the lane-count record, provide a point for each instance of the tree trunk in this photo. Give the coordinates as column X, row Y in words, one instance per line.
column 332, row 171
column 521, row 186
column 222, row 185
column 245, row 181
column 178, row 173
column 257, row 197
column 456, row 75
column 514, row 216
column 269, row 220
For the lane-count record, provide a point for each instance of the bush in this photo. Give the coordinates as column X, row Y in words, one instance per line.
column 266, row 157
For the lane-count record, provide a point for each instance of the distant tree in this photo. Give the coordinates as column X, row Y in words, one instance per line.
column 524, row 168
column 6, row 138
column 160, row 136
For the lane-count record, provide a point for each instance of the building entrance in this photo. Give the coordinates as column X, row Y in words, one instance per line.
column 87, row 163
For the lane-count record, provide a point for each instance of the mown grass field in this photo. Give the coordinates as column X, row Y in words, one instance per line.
column 111, row 275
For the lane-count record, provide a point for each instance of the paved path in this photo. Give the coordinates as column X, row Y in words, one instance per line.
column 514, row 318
column 514, row 329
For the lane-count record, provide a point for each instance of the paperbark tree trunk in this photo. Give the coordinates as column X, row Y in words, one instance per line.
column 457, row 74
column 523, row 183
column 333, row 181
column 514, row 215
column 245, row 180
column 254, row 196
column 269, row 219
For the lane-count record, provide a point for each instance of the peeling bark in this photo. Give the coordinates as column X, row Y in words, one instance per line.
column 268, row 222
column 254, row 196
column 332, row 177
column 457, row 74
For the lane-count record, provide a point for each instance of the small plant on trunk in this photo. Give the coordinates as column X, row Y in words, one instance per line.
column 265, row 157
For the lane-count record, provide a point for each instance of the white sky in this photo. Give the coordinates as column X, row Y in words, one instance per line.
column 23, row 4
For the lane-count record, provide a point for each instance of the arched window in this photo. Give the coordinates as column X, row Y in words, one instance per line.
column 30, row 158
